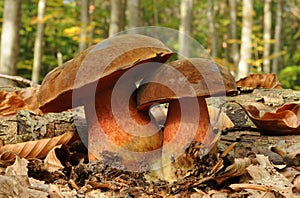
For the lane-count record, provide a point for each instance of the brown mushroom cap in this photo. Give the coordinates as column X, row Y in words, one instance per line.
column 204, row 78
column 106, row 61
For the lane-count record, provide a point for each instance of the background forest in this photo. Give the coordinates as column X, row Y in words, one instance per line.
column 247, row 36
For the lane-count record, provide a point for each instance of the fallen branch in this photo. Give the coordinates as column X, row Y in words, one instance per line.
column 18, row 79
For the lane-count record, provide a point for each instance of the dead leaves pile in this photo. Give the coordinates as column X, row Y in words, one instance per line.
column 49, row 161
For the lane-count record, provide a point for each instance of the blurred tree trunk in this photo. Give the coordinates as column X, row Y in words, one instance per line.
column 91, row 27
column 233, row 32
column 37, row 58
column 246, row 48
column 84, row 17
column 115, row 25
column 185, row 28
column 133, row 14
column 212, row 29
column 10, row 39
column 277, row 36
column 267, row 36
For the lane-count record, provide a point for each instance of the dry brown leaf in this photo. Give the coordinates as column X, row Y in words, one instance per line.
column 51, row 162
column 238, row 168
column 265, row 174
column 260, row 81
column 297, row 183
column 221, row 121
column 54, row 191
column 15, row 182
column 35, row 149
column 29, row 96
column 18, row 168
column 13, row 101
column 285, row 121
column 11, row 187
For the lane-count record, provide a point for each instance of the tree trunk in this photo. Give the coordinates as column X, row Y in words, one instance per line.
column 133, row 14
column 91, row 13
column 212, row 29
column 233, row 33
column 246, row 48
column 115, row 25
column 267, row 36
column 83, row 37
column 38, row 42
column 278, row 29
column 10, row 39
column 185, row 28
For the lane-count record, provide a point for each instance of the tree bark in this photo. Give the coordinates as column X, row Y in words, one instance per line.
column 185, row 28
column 267, row 36
column 246, row 48
column 277, row 36
column 38, row 42
column 212, row 29
column 233, row 18
column 10, row 39
column 115, row 25
column 133, row 14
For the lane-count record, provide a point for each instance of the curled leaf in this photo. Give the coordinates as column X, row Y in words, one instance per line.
column 11, row 102
column 285, row 121
column 267, row 81
column 52, row 162
column 238, row 168
column 34, row 149
column 221, row 121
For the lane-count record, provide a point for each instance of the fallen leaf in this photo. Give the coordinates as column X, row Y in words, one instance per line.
column 267, row 81
column 265, row 174
column 55, row 192
column 297, row 183
column 18, row 168
column 16, row 100
column 285, row 121
column 16, row 183
column 51, row 162
column 35, row 149
column 221, row 121
column 11, row 187
column 238, row 168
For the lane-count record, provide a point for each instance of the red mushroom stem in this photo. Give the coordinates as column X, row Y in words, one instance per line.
column 107, row 134
column 181, row 128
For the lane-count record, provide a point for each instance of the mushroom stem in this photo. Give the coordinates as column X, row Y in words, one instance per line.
column 106, row 122
column 185, row 123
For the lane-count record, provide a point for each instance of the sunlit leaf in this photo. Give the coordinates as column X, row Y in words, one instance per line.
column 286, row 120
column 259, row 81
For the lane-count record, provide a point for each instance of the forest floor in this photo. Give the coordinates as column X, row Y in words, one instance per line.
column 246, row 162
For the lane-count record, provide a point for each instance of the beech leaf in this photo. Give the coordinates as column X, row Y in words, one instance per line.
column 51, row 162
column 267, row 81
column 285, row 121
column 221, row 121
column 16, row 100
column 35, row 149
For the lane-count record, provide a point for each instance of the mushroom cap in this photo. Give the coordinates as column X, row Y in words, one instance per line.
column 185, row 78
column 102, row 63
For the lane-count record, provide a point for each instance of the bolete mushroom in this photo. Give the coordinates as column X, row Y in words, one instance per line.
column 89, row 80
column 184, row 84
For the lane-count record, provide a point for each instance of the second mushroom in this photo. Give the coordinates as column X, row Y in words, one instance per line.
column 184, row 84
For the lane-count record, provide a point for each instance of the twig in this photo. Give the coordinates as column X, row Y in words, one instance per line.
column 18, row 79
